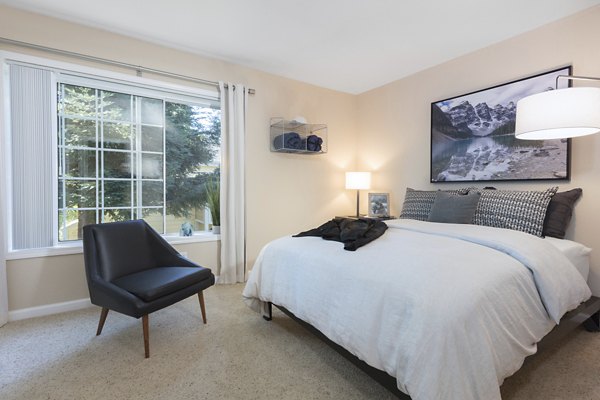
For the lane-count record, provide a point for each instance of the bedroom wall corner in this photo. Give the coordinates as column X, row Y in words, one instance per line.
column 394, row 120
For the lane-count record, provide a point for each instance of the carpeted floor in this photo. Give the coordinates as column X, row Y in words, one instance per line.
column 237, row 355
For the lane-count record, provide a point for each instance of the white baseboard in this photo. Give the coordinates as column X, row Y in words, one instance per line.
column 48, row 309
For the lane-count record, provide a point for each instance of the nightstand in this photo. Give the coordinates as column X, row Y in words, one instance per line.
column 367, row 217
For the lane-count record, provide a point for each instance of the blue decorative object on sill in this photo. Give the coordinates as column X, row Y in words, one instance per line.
column 186, row 229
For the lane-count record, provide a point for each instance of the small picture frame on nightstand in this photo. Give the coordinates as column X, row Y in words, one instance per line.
column 379, row 204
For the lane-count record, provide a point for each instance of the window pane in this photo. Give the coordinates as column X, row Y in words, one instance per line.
column 152, row 138
column 152, row 111
column 144, row 143
column 117, row 164
column 152, row 166
column 80, row 163
column 116, row 106
column 71, row 223
column 78, row 100
column 154, row 218
column 195, row 218
column 60, row 194
column 79, row 194
column 192, row 142
column 79, row 132
column 116, row 215
column 116, row 135
column 117, row 193
column 152, row 194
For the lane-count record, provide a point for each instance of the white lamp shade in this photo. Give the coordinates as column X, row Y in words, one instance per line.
column 557, row 114
column 358, row 180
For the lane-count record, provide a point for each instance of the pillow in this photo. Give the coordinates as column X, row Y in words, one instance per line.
column 454, row 209
column 519, row 210
column 578, row 254
column 559, row 213
column 417, row 203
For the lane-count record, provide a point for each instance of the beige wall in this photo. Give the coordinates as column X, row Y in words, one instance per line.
column 285, row 193
column 47, row 280
column 394, row 119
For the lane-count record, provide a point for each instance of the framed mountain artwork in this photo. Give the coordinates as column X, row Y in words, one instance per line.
column 472, row 136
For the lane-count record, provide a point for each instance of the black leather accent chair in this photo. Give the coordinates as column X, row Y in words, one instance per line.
column 131, row 269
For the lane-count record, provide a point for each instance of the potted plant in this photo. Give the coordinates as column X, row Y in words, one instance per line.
column 213, row 202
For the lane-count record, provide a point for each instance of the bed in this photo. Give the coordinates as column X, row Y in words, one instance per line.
column 448, row 310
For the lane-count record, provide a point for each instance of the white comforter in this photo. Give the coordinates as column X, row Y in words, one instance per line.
column 449, row 310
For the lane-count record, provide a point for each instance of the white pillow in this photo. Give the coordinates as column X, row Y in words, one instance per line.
column 577, row 253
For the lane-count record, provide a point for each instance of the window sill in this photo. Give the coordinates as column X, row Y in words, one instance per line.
column 76, row 247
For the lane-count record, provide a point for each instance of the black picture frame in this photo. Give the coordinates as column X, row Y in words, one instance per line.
column 476, row 142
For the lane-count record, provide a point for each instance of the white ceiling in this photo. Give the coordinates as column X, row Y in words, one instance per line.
column 346, row 45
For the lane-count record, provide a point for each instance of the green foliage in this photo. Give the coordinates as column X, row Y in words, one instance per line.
column 192, row 140
column 212, row 188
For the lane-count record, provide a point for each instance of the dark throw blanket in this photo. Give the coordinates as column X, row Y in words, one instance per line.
column 288, row 140
column 313, row 143
column 354, row 233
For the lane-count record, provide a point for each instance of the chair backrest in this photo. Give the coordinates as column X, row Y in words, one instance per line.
column 116, row 249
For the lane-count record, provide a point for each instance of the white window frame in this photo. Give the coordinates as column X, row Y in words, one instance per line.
column 76, row 72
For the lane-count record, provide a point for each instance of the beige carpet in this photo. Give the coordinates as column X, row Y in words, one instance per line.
column 237, row 355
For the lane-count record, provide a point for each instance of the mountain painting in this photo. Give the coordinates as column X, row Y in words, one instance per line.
column 472, row 136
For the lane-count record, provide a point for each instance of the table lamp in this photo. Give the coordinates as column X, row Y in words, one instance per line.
column 358, row 181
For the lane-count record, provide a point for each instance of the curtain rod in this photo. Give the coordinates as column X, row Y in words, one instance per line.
column 138, row 68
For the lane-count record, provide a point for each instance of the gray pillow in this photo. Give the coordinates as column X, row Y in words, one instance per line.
column 559, row 213
column 454, row 209
column 417, row 203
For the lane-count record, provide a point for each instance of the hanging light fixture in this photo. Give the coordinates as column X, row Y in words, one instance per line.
column 560, row 113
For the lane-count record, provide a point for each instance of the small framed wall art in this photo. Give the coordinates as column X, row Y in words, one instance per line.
column 379, row 204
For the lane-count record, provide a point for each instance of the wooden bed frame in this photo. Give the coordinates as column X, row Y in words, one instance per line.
column 588, row 314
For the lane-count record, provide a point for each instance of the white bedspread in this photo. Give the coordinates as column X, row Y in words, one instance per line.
column 449, row 310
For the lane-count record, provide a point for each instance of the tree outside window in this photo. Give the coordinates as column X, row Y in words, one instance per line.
column 123, row 156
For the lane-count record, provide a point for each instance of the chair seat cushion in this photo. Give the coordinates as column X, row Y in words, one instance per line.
column 155, row 283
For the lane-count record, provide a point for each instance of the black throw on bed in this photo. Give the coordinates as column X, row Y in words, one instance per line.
column 354, row 233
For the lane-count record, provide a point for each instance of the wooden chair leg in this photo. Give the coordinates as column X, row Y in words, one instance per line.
column 202, row 308
column 103, row 315
column 146, row 336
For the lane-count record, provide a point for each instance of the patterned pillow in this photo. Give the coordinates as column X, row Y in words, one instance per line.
column 417, row 203
column 519, row 210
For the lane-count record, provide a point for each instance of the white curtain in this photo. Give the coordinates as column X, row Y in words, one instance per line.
column 32, row 149
column 3, row 229
column 233, row 186
column 31, row 133
column 3, row 285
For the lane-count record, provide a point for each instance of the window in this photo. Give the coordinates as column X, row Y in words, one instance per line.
column 123, row 156
column 121, row 151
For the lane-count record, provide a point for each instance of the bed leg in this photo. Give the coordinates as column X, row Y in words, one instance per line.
column 269, row 315
column 592, row 324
